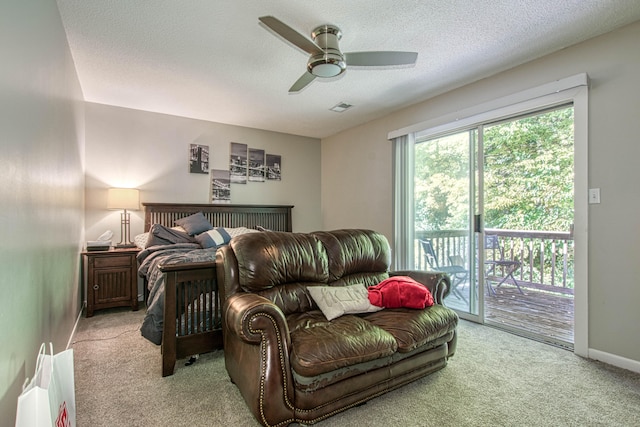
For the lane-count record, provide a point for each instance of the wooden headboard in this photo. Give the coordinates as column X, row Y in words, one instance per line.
column 272, row 217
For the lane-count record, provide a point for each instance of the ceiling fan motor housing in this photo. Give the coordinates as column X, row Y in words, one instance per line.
column 330, row 62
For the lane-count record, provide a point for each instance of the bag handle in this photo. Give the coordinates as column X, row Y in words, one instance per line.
column 37, row 374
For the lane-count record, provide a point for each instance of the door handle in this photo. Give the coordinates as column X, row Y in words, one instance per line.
column 477, row 223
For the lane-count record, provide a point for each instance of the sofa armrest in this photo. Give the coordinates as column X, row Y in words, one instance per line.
column 242, row 314
column 439, row 284
column 256, row 350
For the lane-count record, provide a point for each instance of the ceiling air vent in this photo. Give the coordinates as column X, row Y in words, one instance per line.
column 339, row 108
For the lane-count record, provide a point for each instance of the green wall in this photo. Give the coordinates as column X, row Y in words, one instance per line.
column 41, row 189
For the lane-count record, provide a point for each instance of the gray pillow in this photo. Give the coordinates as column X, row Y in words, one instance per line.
column 194, row 224
column 161, row 235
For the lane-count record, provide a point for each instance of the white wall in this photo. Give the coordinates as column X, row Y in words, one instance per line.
column 612, row 62
column 149, row 151
column 41, row 191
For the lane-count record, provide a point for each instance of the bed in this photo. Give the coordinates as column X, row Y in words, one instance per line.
column 179, row 278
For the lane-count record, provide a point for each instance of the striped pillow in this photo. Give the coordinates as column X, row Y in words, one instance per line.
column 213, row 238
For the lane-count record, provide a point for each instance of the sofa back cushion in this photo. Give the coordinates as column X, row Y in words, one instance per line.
column 281, row 266
column 356, row 256
column 269, row 259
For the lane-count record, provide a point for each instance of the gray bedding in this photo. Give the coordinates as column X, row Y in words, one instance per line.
column 148, row 260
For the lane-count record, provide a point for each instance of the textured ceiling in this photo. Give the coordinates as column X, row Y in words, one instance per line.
column 212, row 60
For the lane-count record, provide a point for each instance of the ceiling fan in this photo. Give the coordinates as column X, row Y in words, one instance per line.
column 326, row 59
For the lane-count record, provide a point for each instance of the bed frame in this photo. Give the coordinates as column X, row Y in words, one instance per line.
column 191, row 287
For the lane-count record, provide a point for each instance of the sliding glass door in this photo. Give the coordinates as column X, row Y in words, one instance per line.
column 445, row 205
column 494, row 209
column 528, row 216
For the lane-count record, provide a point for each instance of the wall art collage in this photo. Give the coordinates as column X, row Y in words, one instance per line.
column 245, row 165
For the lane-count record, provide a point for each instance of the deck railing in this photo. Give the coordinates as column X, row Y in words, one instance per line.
column 546, row 257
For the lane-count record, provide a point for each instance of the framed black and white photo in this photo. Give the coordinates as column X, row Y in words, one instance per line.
column 238, row 163
column 220, row 186
column 198, row 158
column 273, row 167
column 256, row 165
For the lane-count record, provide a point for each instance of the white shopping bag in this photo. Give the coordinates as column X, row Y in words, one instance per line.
column 49, row 399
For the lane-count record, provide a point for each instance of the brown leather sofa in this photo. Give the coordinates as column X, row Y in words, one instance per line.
column 289, row 362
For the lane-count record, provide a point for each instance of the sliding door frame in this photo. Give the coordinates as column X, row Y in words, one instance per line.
column 572, row 90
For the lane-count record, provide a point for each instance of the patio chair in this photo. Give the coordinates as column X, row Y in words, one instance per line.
column 456, row 270
column 507, row 266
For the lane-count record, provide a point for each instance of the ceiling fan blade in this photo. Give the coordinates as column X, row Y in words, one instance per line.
column 377, row 59
column 302, row 82
column 290, row 34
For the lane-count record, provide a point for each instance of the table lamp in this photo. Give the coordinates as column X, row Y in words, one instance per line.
column 124, row 198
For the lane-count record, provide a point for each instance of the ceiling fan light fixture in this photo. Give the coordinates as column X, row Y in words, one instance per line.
column 326, row 65
column 330, row 62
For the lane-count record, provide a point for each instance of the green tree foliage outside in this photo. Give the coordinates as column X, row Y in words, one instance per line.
column 529, row 173
column 528, row 176
column 441, row 183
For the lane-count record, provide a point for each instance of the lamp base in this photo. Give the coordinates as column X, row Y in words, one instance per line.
column 125, row 245
column 125, row 222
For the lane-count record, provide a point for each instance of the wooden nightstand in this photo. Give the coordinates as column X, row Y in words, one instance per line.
column 111, row 278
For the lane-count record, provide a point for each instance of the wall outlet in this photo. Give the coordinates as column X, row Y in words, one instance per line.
column 594, row 195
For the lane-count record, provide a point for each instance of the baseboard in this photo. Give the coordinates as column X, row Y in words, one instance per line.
column 608, row 358
column 75, row 326
column 612, row 359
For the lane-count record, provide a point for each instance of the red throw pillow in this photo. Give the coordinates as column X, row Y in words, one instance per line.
column 400, row 291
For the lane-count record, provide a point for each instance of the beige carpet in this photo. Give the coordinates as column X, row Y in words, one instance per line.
column 495, row 379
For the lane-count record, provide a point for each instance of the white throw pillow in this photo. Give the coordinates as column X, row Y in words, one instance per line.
column 334, row 301
column 233, row 232
column 141, row 240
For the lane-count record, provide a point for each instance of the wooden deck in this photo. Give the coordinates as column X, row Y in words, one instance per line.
column 534, row 313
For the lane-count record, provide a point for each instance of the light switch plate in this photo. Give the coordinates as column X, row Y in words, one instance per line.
column 594, row 195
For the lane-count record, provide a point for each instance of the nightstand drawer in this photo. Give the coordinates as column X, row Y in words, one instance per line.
column 112, row 261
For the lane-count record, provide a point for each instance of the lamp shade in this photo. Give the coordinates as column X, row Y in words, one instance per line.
column 123, row 198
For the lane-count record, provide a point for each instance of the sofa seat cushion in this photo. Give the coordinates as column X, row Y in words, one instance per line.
column 370, row 372
column 317, row 382
column 319, row 346
column 414, row 328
